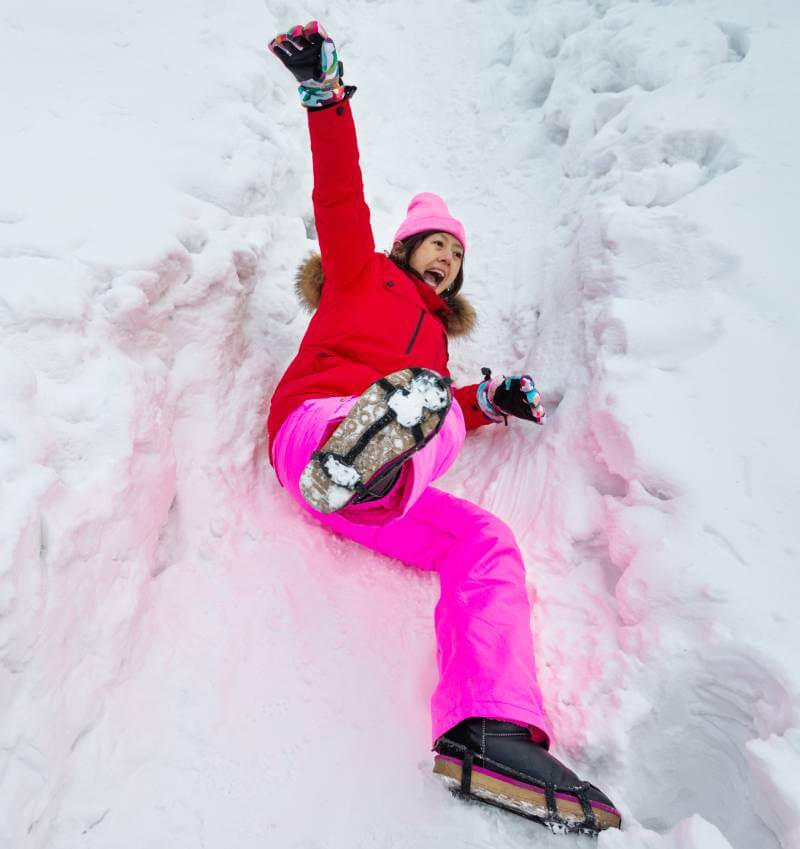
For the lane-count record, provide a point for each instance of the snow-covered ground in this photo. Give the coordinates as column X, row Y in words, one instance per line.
column 188, row 661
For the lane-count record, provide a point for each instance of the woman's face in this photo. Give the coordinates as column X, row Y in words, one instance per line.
column 437, row 260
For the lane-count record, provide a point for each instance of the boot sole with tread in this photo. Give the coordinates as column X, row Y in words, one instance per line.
column 392, row 419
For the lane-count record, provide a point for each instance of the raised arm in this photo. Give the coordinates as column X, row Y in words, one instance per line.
column 340, row 211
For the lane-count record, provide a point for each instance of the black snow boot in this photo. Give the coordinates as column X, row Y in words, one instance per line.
column 498, row 763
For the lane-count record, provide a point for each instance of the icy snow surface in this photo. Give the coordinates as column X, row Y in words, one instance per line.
column 188, row 661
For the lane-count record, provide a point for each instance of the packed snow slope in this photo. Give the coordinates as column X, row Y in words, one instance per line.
column 189, row 661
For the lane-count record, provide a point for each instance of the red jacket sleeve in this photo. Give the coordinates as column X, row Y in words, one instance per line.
column 468, row 401
column 340, row 211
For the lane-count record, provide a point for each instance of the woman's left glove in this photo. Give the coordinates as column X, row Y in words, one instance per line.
column 516, row 396
column 310, row 54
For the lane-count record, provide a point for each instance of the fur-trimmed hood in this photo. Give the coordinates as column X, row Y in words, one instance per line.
column 459, row 321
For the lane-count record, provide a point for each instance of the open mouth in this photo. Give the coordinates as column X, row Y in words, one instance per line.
column 434, row 276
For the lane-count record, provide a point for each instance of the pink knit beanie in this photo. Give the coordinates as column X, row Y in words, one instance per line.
column 429, row 212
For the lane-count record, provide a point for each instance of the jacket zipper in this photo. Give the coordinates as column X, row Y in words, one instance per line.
column 416, row 331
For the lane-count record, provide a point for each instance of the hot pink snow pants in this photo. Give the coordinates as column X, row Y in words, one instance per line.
column 483, row 633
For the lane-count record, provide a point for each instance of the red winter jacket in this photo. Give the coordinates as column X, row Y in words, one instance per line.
column 373, row 318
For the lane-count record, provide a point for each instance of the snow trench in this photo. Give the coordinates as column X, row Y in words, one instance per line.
column 186, row 660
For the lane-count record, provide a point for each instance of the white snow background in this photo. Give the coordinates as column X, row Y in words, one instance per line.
column 189, row 661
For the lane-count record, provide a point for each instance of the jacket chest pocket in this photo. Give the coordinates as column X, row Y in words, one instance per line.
column 406, row 305
column 414, row 335
column 417, row 330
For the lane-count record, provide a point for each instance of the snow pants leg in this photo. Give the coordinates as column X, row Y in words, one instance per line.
column 484, row 643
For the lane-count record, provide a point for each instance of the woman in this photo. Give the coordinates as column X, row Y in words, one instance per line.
column 363, row 421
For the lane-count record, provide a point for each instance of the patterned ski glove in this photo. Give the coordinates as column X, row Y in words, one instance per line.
column 310, row 54
column 516, row 395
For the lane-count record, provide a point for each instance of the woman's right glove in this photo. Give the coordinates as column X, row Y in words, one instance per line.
column 515, row 396
column 310, row 54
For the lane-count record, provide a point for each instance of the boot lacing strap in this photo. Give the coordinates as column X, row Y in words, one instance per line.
column 366, row 437
column 550, row 798
column 466, row 772
column 588, row 811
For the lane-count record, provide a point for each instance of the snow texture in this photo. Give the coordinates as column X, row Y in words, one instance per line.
column 187, row 660
column 341, row 474
column 424, row 392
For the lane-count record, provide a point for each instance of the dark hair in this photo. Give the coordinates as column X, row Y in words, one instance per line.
column 410, row 244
